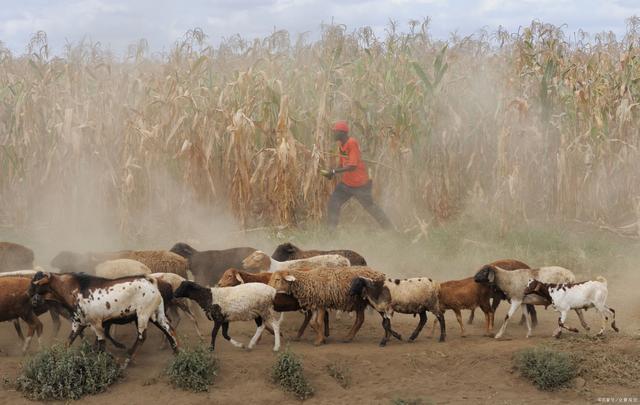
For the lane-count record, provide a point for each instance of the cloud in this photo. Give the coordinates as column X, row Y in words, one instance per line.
column 118, row 23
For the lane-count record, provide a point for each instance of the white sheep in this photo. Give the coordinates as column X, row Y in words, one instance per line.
column 260, row 261
column 565, row 297
column 514, row 282
column 407, row 296
column 118, row 268
column 244, row 302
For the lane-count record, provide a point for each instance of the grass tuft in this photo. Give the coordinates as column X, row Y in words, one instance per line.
column 193, row 369
column 289, row 374
column 546, row 368
column 340, row 372
column 61, row 373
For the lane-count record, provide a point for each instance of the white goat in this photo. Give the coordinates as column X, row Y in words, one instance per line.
column 565, row 297
column 260, row 261
column 243, row 302
column 514, row 282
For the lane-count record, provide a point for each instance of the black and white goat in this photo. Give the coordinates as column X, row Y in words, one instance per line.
column 565, row 297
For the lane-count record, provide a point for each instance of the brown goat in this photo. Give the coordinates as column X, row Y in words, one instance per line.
column 281, row 302
column 15, row 303
column 15, row 257
column 466, row 294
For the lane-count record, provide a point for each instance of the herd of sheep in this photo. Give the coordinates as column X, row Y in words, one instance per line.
column 99, row 290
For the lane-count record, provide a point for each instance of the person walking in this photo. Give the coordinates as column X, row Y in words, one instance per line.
column 354, row 181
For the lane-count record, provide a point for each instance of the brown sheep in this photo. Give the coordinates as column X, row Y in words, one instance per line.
column 15, row 257
column 208, row 265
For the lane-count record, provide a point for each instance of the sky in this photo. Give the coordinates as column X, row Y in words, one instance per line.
column 119, row 23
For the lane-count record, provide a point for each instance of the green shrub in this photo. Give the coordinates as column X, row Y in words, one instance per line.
column 193, row 369
column 288, row 373
column 340, row 372
column 547, row 369
column 61, row 373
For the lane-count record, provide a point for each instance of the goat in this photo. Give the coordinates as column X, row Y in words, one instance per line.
column 513, row 283
column 94, row 300
column 568, row 296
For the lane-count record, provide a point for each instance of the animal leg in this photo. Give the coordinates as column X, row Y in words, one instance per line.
column 186, row 308
column 613, row 315
column 514, row 306
column 443, row 329
column 531, row 309
column 582, row 321
column 356, row 326
column 107, row 334
column 225, row 334
column 307, row 317
column 76, row 329
column 421, row 323
column 214, row 334
column 459, row 318
column 527, row 319
column 55, row 319
column 16, row 325
column 35, row 326
column 320, row 339
column 326, row 323
column 472, row 316
column 386, row 325
column 163, row 324
column 256, row 336
column 276, row 319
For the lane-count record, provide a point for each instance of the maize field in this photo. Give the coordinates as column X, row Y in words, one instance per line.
column 534, row 124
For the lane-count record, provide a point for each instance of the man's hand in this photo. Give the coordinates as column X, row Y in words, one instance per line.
column 328, row 173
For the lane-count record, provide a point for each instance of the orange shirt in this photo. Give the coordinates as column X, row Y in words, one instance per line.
column 350, row 156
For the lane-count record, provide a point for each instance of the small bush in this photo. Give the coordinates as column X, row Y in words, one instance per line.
column 61, row 373
column 547, row 369
column 341, row 373
column 288, row 373
column 193, row 369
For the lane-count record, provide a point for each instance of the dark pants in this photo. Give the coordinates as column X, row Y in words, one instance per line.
column 343, row 193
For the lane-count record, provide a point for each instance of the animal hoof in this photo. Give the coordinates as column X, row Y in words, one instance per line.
column 382, row 344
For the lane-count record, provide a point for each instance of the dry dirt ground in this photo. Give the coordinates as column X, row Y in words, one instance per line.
column 474, row 369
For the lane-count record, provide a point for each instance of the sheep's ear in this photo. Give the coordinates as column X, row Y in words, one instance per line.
column 290, row 278
column 239, row 278
column 492, row 275
column 43, row 281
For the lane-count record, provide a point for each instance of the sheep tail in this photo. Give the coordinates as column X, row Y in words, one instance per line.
column 601, row 279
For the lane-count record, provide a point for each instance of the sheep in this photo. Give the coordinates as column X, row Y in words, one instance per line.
column 208, row 265
column 513, row 284
column 288, row 251
column 282, row 302
column 117, row 268
column 184, row 304
column 15, row 303
column 244, row 302
column 565, row 297
column 407, row 296
column 497, row 296
column 324, row 287
column 158, row 261
column 15, row 257
column 94, row 300
column 260, row 261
